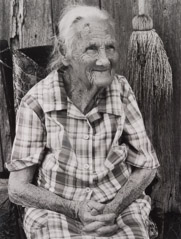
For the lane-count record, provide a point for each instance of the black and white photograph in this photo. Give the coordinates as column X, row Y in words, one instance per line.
column 90, row 119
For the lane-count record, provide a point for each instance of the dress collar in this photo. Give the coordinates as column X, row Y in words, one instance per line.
column 55, row 98
column 54, row 95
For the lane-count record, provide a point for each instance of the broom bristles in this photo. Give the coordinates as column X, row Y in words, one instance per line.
column 150, row 75
column 148, row 63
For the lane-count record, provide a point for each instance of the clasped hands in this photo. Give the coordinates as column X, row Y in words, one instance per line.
column 96, row 219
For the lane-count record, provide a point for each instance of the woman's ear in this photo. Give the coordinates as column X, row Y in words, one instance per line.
column 65, row 60
column 63, row 52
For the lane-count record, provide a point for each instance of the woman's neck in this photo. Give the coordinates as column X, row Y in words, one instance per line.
column 81, row 96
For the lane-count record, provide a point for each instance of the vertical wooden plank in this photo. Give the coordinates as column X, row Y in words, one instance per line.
column 57, row 7
column 31, row 23
column 4, row 19
column 6, row 105
column 5, row 134
column 122, row 12
column 167, row 22
column 172, row 35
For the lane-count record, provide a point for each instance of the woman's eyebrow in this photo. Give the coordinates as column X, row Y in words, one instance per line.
column 91, row 46
column 92, row 43
column 105, row 41
column 99, row 42
column 112, row 41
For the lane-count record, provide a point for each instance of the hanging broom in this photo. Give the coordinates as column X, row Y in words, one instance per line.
column 148, row 69
column 149, row 74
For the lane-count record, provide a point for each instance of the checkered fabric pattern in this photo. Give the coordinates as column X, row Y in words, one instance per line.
column 82, row 156
column 44, row 224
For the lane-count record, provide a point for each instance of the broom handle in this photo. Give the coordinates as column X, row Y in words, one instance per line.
column 141, row 7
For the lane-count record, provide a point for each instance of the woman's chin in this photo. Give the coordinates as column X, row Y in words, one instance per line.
column 103, row 84
column 103, row 79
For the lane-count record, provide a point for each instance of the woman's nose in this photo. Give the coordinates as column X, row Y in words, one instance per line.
column 102, row 59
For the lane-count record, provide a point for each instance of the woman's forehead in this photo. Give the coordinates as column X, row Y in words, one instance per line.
column 94, row 27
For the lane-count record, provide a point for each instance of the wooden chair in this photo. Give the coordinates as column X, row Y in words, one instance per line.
column 29, row 67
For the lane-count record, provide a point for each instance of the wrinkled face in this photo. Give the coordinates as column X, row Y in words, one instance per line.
column 94, row 53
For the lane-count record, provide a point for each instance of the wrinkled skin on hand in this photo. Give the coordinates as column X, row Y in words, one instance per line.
column 94, row 221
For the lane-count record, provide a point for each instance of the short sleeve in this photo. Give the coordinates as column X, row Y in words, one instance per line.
column 29, row 143
column 141, row 153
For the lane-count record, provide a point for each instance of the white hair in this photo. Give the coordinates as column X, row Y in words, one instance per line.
column 70, row 16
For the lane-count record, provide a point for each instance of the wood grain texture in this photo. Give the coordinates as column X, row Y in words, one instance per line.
column 167, row 22
column 6, row 105
column 5, row 135
column 4, row 19
column 31, row 23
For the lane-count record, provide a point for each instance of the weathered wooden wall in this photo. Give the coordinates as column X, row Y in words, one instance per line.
column 31, row 23
column 167, row 18
column 5, row 134
column 5, row 139
column 167, row 21
column 4, row 19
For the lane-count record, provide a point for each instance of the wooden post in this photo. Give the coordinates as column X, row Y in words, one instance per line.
column 6, row 105
column 4, row 19
column 141, row 7
column 31, row 23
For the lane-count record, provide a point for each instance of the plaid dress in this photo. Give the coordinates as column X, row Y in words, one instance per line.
column 82, row 156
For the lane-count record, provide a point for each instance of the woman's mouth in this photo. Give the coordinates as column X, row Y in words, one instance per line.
column 102, row 70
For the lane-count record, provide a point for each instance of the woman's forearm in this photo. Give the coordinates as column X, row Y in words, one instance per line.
column 22, row 192
column 133, row 188
column 32, row 196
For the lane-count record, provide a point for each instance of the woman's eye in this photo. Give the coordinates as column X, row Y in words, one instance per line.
column 110, row 47
column 91, row 48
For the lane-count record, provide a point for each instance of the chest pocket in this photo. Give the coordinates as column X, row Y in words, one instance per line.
column 55, row 133
column 59, row 146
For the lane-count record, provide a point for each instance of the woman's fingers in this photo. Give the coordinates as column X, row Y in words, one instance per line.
column 92, row 217
column 106, row 217
column 92, row 227
column 94, row 212
column 107, row 230
column 100, row 229
column 104, row 220
column 96, row 206
column 88, row 210
column 95, row 223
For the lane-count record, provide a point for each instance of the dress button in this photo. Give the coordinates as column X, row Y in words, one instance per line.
column 86, row 136
column 88, row 190
column 86, row 166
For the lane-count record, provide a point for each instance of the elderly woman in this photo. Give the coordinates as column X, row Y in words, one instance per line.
column 81, row 129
